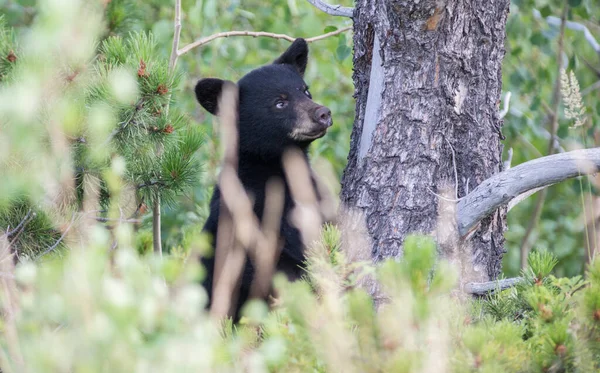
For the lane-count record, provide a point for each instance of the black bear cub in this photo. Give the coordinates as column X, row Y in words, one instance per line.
column 276, row 112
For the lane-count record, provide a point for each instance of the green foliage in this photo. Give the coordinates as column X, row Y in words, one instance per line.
column 555, row 317
column 157, row 143
column 122, row 16
column 124, row 141
column 9, row 52
column 31, row 230
column 531, row 68
column 122, row 311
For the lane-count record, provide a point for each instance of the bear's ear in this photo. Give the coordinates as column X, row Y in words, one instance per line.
column 296, row 55
column 208, row 92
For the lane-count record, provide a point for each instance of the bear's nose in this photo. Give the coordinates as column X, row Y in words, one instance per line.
column 323, row 116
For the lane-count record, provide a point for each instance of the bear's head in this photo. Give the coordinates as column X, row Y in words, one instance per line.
column 276, row 109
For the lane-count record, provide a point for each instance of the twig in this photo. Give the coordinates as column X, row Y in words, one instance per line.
column 442, row 197
column 156, row 239
column 208, row 39
column 51, row 248
column 150, row 183
column 501, row 188
column 107, row 220
column 587, row 90
column 455, row 169
column 332, row 10
column 24, row 221
column 176, row 36
column 537, row 210
column 325, row 36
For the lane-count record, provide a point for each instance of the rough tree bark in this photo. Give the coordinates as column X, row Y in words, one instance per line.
column 428, row 82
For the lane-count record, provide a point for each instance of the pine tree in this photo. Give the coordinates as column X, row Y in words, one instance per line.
column 123, row 120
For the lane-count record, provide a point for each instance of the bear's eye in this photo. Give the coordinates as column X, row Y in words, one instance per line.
column 306, row 92
column 280, row 104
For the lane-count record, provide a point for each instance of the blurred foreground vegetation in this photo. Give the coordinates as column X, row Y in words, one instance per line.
column 85, row 90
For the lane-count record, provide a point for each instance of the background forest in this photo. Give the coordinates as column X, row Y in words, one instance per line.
column 115, row 316
column 529, row 73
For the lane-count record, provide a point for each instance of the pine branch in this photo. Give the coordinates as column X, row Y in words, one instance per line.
column 333, row 10
column 208, row 39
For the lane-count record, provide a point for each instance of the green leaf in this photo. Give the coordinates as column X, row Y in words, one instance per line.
column 537, row 39
column 342, row 52
column 546, row 11
column 329, row 29
column 574, row 3
column 573, row 63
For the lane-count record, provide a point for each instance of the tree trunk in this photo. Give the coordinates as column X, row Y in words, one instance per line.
column 428, row 83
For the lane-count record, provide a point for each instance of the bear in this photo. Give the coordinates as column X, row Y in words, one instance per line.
column 276, row 112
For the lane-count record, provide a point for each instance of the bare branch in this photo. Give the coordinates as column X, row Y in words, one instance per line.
column 51, row 248
column 586, row 91
column 325, row 36
column 230, row 256
column 333, row 10
column 156, row 239
column 120, row 220
column 483, row 288
column 254, row 34
column 176, row 36
column 501, row 188
column 23, row 222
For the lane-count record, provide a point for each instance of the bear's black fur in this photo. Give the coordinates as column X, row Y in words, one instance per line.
column 276, row 112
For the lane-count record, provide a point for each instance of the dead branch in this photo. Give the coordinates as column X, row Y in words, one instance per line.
column 156, row 238
column 483, row 288
column 51, row 248
column 306, row 214
column 333, row 10
column 208, row 39
column 10, row 233
column 501, row 188
column 267, row 251
column 230, row 256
